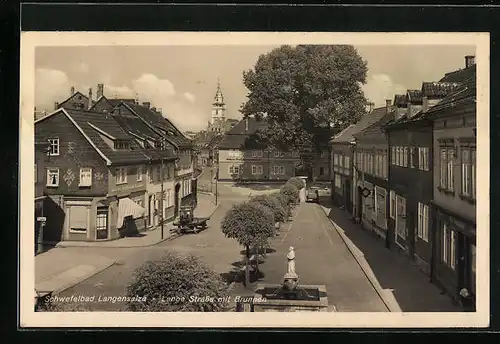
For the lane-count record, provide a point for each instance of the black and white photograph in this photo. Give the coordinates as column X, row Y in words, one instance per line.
column 341, row 175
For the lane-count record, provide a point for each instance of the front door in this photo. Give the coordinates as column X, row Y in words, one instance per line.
column 176, row 201
column 102, row 223
column 151, row 207
column 348, row 200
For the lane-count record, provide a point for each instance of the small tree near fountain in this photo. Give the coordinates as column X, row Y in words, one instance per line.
column 251, row 224
column 177, row 283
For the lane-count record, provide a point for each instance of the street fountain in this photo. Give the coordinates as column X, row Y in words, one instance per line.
column 290, row 296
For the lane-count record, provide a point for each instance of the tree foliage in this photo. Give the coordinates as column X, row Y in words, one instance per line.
column 290, row 193
column 306, row 94
column 176, row 283
column 249, row 223
column 297, row 182
column 273, row 204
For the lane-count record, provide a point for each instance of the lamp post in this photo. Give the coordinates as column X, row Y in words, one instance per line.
column 162, row 196
column 216, row 183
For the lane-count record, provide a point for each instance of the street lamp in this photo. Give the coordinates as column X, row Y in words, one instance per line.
column 45, row 148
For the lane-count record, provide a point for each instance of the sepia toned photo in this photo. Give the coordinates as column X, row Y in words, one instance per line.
column 338, row 177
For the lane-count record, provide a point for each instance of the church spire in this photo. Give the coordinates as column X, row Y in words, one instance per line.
column 219, row 98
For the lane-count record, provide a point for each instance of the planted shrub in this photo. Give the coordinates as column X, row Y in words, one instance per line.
column 176, row 283
column 291, row 193
column 297, row 182
column 273, row 204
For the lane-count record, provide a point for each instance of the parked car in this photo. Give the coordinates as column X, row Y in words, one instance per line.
column 312, row 194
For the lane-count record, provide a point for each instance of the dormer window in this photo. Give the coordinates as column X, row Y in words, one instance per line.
column 122, row 145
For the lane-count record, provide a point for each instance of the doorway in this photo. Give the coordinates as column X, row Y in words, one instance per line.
column 348, row 200
column 359, row 203
column 176, row 199
column 102, row 223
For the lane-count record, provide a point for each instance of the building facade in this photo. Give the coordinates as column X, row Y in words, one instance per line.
column 79, row 179
column 454, row 190
column 372, row 172
column 240, row 159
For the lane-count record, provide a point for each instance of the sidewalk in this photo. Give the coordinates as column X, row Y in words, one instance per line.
column 205, row 208
column 402, row 282
column 58, row 269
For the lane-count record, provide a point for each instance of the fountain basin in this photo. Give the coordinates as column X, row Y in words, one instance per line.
column 306, row 298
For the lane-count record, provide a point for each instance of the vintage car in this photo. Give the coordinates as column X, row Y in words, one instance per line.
column 312, row 194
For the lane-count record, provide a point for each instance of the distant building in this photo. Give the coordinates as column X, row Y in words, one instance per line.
column 219, row 122
column 241, row 158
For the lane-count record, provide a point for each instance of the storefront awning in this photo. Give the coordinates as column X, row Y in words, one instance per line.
column 127, row 207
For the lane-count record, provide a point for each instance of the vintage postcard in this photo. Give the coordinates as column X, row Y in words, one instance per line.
column 328, row 175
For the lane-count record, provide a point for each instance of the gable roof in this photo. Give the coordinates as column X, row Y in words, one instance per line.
column 460, row 75
column 348, row 134
column 84, row 99
column 466, row 94
column 438, row 89
column 238, row 136
column 88, row 121
column 159, row 122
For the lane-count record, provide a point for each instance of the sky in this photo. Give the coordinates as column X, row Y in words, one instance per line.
column 182, row 80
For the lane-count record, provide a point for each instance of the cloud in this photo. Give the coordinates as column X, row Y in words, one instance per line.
column 190, row 97
column 380, row 87
column 82, row 68
column 50, row 86
column 54, row 86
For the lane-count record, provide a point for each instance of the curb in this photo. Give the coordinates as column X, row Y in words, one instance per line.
column 391, row 304
column 82, row 279
column 169, row 238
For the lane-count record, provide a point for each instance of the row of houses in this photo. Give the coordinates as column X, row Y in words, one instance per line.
column 407, row 172
column 104, row 167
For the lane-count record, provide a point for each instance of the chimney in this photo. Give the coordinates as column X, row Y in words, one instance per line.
column 409, row 112
column 100, row 90
column 158, row 110
column 388, row 105
column 246, row 124
column 56, row 105
column 90, row 99
column 72, row 90
column 146, row 104
column 153, row 108
column 425, row 103
column 470, row 60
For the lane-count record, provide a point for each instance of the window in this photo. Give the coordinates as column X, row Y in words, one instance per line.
column 121, row 175
column 278, row 170
column 139, row 173
column 423, row 158
column 256, row 169
column 338, row 181
column 279, row 154
column 347, row 164
column 257, row 153
column 78, row 219
column 322, row 154
column 321, row 171
column 53, row 147
column 401, row 156
column 450, row 168
column 341, row 161
column 234, row 170
column 468, row 171
column 423, row 222
column 449, row 238
column 401, row 229
column 121, row 145
column 335, row 159
column 392, row 205
column 446, row 168
column 380, row 207
column 36, row 172
column 393, row 155
column 85, row 176
column 53, row 177
column 386, row 165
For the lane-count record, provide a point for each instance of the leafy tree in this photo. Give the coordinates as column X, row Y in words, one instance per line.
column 290, row 192
column 297, row 182
column 251, row 224
column 273, row 204
column 177, row 283
column 306, row 94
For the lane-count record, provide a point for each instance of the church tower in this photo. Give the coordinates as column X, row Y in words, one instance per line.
column 218, row 108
